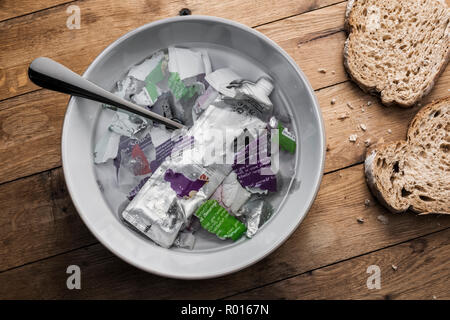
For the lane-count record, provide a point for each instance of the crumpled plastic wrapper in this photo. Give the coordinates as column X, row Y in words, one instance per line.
column 255, row 213
column 231, row 195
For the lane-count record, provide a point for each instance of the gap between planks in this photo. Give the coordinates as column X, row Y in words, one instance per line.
column 323, row 215
column 233, row 296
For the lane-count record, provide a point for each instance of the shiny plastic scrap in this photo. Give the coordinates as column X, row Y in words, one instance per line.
column 255, row 213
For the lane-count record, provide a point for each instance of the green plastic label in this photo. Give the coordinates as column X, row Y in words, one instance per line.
column 152, row 90
column 178, row 88
column 287, row 139
column 214, row 218
column 156, row 75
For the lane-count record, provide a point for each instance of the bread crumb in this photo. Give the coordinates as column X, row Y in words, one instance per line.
column 333, row 101
column 363, row 127
column 383, row 219
column 333, row 72
column 343, row 116
column 434, row 297
column 389, row 131
column 350, row 105
column 394, row 267
column 367, row 142
column 360, row 220
column 369, row 103
column 363, row 110
column 353, row 137
column 322, row 70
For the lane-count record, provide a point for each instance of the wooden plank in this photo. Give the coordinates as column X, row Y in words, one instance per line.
column 38, row 220
column 422, row 273
column 30, row 138
column 12, row 8
column 45, row 33
column 329, row 233
column 381, row 122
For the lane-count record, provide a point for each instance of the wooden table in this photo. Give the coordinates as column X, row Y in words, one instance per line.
column 41, row 233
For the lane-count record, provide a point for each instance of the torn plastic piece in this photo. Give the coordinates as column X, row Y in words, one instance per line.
column 142, row 71
column 256, row 212
column 203, row 102
column 249, row 163
column 135, row 154
column 184, row 187
column 128, row 87
column 220, row 79
column 162, row 230
column 139, row 161
column 144, row 98
column 188, row 63
column 185, row 240
column 179, row 89
column 231, row 195
column 286, row 139
column 163, row 107
column 136, row 189
column 128, row 124
column 259, row 91
column 107, row 147
column 214, row 218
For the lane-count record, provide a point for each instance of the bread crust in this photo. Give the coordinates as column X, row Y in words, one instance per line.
column 373, row 90
column 372, row 153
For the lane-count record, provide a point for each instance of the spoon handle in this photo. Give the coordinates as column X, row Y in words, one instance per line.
column 51, row 75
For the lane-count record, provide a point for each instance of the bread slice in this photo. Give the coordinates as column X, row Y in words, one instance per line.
column 415, row 174
column 397, row 48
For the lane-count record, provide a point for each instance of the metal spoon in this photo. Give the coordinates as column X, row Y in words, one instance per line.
column 49, row 74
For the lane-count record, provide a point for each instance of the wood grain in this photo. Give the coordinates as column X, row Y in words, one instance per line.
column 13, row 8
column 389, row 124
column 329, row 233
column 38, row 220
column 422, row 273
column 45, row 33
column 30, row 133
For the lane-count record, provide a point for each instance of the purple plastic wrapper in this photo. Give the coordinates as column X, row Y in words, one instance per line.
column 249, row 162
column 167, row 148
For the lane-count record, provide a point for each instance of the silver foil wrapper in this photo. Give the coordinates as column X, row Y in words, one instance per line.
column 255, row 213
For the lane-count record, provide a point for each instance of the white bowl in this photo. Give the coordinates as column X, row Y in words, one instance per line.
column 292, row 90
